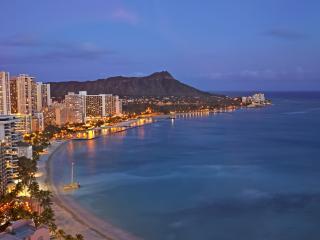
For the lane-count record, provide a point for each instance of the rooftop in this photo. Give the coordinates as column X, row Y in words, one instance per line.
column 21, row 229
column 23, row 144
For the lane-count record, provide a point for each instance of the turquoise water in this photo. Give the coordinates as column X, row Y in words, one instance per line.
column 251, row 174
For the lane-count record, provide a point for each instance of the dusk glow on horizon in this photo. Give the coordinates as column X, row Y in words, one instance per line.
column 212, row 45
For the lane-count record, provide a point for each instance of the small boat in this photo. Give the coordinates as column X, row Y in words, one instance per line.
column 72, row 185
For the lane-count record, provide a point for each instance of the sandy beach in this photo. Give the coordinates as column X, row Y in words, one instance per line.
column 70, row 216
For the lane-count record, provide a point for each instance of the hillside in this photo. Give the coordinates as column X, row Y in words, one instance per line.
column 156, row 84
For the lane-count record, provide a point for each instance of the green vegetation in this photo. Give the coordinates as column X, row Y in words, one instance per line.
column 27, row 193
column 28, row 201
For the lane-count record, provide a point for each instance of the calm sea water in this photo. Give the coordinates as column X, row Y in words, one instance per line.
column 251, row 174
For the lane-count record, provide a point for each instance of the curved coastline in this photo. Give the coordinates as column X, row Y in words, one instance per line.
column 73, row 218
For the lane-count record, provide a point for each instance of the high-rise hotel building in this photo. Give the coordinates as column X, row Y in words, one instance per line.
column 94, row 106
column 82, row 106
column 43, row 96
column 5, row 106
column 75, row 104
column 3, row 171
column 9, row 139
column 113, row 105
column 23, row 94
column 56, row 114
column 102, row 105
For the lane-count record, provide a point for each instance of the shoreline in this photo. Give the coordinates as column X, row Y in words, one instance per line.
column 70, row 216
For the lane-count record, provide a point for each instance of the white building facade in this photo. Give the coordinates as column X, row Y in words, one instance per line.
column 23, row 94
column 43, row 96
column 9, row 139
column 82, row 107
column 24, row 150
column 5, row 103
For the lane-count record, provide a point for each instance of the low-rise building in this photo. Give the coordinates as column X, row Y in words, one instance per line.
column 258, row 98
column 56, row 114
column 37, row 123
column 49, row 115
column 24, row 150
column 25, row 230
column 61, row 114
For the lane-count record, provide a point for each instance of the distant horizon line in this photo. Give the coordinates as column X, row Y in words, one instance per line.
column 257, row 90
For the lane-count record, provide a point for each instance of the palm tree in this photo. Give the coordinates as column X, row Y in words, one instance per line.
column 69, row 237
column 34, row 188
column 36, row 219
column 26, row 170
column 44, row 197
column 36, row 155
column 47, row 218
column 60, row 234
column 79, row 237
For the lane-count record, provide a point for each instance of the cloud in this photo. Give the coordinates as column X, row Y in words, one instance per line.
column 58, row 51
column 285, row 34
column 124, row 15
column 258, row 74
column 84, row 51
column 20, row 41
column 39, row 48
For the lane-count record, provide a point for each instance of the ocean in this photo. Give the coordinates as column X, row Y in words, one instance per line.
column 249, row 174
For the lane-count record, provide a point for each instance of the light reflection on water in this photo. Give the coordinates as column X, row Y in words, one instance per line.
column 252, row 174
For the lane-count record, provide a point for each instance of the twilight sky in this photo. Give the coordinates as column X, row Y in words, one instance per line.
column 211, row 44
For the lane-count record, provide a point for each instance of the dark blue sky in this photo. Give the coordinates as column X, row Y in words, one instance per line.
column 211, row 44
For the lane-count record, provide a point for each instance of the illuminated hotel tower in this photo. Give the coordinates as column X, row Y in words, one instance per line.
column 43, row 96
column 23, row 93
column 5, row 107
column 102, row 105
column 75, row 104
column 82, row 106
column 8, row 151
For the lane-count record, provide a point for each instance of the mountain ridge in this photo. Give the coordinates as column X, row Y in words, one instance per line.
column 156, row 84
